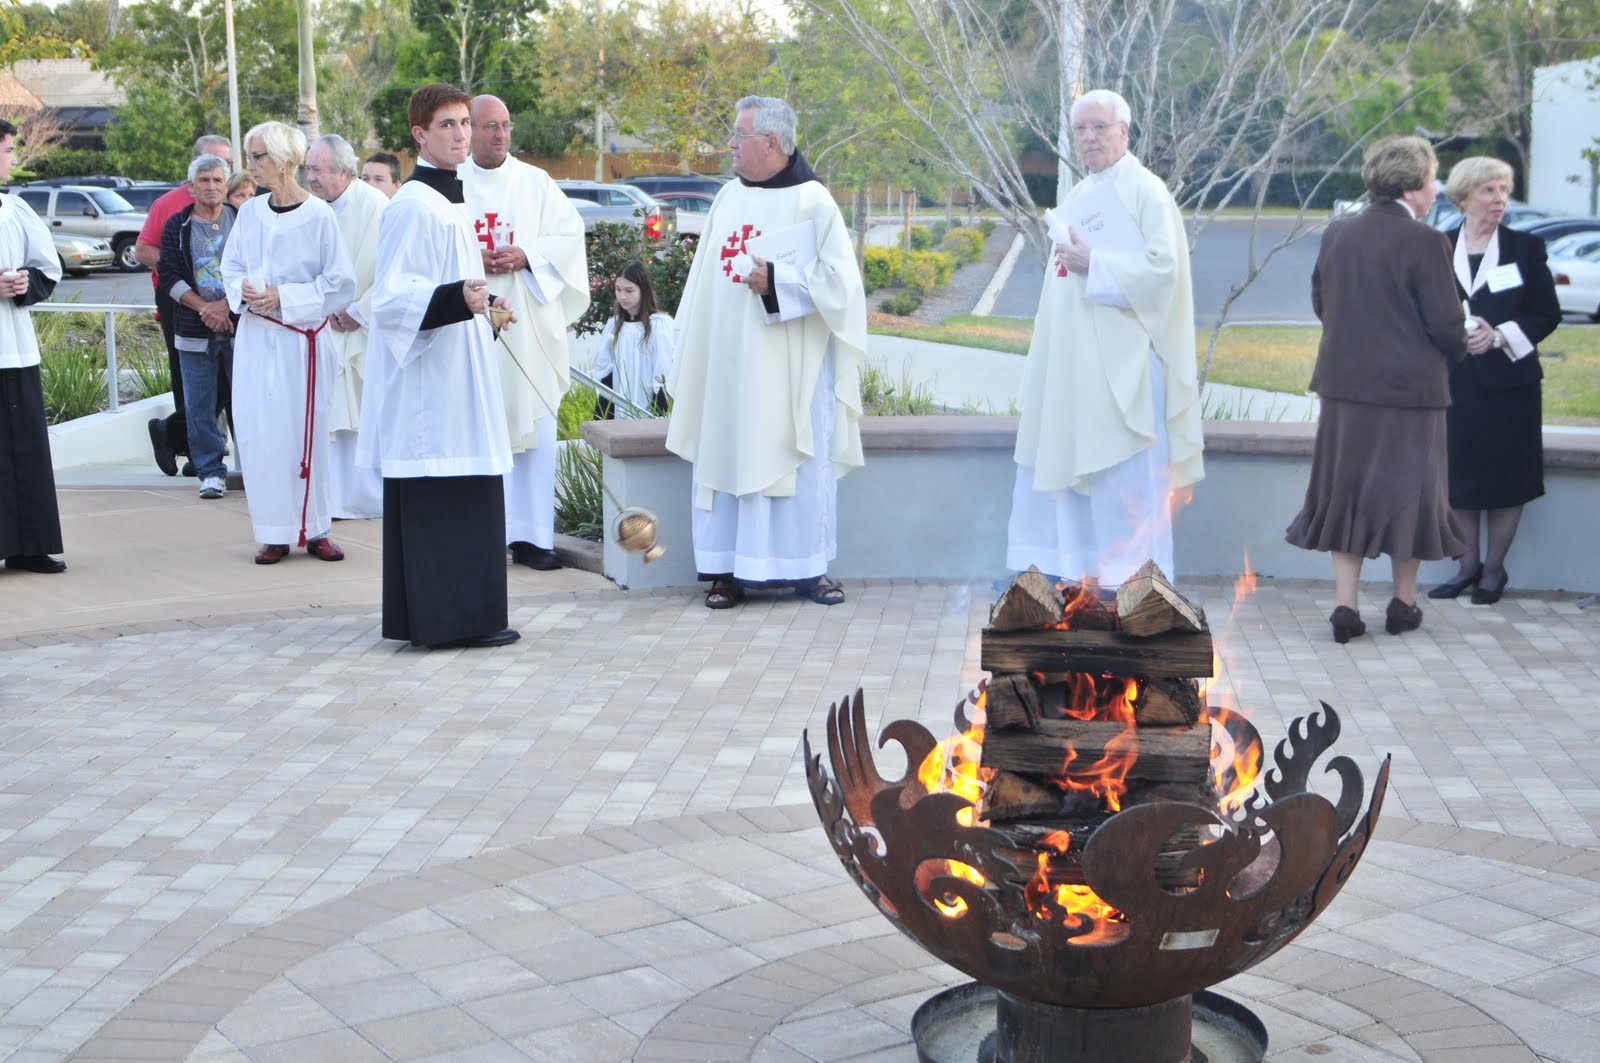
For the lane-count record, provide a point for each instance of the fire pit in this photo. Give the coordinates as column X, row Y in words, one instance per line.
column 1096, row 847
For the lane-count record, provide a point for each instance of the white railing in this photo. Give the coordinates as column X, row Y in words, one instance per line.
column 109, row 311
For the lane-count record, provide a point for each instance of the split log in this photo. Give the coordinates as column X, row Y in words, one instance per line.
column 1008, row 796
column 1164, row 754
column 1164, row 701
column 1057, row 651
column 1031, row 601
column 1148, row 604
column 1011, row 701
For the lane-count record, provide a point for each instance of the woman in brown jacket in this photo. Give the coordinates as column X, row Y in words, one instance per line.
column 1392, row 326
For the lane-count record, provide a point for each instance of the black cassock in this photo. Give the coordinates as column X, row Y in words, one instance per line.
column 30, row 523
column 444, row 558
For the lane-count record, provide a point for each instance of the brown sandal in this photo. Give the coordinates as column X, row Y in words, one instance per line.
column 822, row 590
column 724, row 594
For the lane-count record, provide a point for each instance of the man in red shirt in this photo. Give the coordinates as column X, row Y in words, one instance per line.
column 170, row 437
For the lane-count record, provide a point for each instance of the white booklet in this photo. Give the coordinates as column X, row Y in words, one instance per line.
column 793, row 245
column 1100, row 220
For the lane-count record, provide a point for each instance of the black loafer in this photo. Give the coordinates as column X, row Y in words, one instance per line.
column 43, row 564
column 166, row 458
column 1452, row 588
column 1400, row 617
column 1486, row 595
column 535, row 557
column 481, row 642
column 1347, row 624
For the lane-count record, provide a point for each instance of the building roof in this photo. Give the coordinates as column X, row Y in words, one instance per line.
column 15, row 97
column 68, row 83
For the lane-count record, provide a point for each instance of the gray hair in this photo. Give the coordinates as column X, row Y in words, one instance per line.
column 1394, row 166
column 1103, row 98
column 1471, row 173
column 341, row 156
column 204, row 145
column 207, row 162
column 772, row 117
column 284, row 144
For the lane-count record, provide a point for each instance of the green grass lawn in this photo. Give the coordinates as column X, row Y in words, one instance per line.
column 1280, row 357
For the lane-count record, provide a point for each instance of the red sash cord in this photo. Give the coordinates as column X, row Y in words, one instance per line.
column 309, row 434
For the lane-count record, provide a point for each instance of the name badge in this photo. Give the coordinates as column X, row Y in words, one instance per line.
column 1504, row 277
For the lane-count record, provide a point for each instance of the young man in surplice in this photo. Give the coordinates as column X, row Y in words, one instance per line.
column 432, row 419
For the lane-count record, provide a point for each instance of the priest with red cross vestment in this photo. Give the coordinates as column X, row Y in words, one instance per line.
column 766, row 391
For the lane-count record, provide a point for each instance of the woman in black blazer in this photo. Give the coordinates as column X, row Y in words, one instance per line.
column 1495, row 420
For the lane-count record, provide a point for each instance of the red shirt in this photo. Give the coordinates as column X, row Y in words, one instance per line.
column 155, row 222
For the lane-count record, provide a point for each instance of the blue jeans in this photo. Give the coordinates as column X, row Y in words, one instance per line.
column 207, row 389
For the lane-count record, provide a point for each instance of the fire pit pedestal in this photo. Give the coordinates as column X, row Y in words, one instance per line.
column 964, row 1024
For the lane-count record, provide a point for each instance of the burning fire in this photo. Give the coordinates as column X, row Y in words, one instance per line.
column 1108, row 699
column 1237, row 767
column 953, row 766
column 1077, row 907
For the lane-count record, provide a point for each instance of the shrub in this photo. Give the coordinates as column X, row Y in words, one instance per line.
column 882, row 397
column 921, row 238
column 986, row 227
column 901, row 303
column 880, row 268
column 610, row 246
column 74, row 382
column 577, row 406
column 923, row 271
column 939, row 230
column 966, row 245
column 579, row 509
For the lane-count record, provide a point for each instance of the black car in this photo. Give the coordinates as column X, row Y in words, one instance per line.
column 656, row 184
column 143, row 194
column 1548, row 229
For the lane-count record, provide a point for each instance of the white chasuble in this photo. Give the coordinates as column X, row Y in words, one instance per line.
column 24, row 241
column 1087, row 391
column 357, row 211
column 742, row 385
column 431, row 405
column 281, row 397
column 520, row 205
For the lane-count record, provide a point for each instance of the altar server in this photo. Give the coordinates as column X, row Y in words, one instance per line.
column 531, row 241
column 285, row 270
column 1110, row 399
column 30, row 524
column 432, row 418
column 767, row 385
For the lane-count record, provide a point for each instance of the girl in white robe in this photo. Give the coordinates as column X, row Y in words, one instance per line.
column 638, row 345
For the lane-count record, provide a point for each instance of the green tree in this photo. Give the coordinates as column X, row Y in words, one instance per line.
column 153, row 133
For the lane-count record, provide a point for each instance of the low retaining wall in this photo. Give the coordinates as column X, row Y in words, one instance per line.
column 933, row 499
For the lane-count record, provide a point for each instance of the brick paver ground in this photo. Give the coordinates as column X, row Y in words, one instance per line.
column 235, row 824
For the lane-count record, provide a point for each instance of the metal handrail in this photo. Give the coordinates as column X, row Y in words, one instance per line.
column 109, row 310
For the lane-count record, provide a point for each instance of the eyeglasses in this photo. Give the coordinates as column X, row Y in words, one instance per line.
column 1097, row 128
column 493, row 128
column 257, row 156
column 734, row 134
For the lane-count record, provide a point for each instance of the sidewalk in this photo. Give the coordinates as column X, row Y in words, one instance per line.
column 235, row 824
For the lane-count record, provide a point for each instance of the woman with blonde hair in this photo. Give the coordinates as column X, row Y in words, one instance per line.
column 285, row 270
column 241, row 188
column 1495, row 422
column 1391, row 327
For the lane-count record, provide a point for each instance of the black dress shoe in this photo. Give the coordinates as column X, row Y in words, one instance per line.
column 1487, row 595
column 43, row 564
column 1347, row 624
column 480, row 642
column 536, row 557
column 189, row 469
column 166, row 458
column 1400, row 617
column 1453, row 587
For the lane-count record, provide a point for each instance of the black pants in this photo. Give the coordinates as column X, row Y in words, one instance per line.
column 30, row 523
column 444, row 558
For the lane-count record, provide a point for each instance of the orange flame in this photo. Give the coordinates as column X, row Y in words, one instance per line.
column 1237, row 767
column 1074, row 906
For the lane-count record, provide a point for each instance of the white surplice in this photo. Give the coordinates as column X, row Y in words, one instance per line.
column 431, row 403
column 638, row 366
column 24, row 241
column 1110, row 399
column 300, row 253
column 767, row 407
column 356, row 493
column 517, row 204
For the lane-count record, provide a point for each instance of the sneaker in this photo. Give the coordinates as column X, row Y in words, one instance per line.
column 213, row 487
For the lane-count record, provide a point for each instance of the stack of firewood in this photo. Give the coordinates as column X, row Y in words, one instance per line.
column 1070, row 740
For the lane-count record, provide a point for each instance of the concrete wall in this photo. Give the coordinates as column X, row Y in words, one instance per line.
column 933, row 499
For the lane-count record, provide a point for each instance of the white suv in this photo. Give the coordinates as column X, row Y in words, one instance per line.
column 83, row 210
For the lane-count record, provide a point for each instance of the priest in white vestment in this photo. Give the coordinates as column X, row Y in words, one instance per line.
column 531, row 239
column 354, row 493
column 1110, row 399
column 766, row 388
column 284, row 269
column 30, row 521
column 432, row 417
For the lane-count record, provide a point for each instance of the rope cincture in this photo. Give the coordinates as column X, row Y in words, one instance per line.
column 308, row 436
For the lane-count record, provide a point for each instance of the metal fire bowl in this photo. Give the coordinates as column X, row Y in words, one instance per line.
column 1271, row 869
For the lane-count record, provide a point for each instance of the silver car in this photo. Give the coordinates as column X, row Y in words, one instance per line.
column 82, row 255
column 84, row 210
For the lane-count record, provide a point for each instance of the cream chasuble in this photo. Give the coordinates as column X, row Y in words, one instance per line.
column 519, row 204
column 742, row 387
column 1087, row 389
column 431, row 405
column 357, row 211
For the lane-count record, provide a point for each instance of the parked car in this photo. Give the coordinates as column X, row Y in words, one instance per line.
column 692, row 209
column 1549, row 229
column 87, row 210
column 1573, row 245
column 82, row 255
column 143, row 193
column 1444, row 216
column 659, row 185
column 624, row 204
column 1578, row 283
column 99, row 180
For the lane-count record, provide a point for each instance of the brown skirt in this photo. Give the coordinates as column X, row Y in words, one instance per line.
column 1379, row 485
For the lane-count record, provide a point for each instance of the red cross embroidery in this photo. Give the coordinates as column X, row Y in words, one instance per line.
column 732, row 246
column 484, row 227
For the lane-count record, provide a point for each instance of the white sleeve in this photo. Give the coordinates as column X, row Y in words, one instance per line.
column 604, row 356
column 542, row 278
column 664, row 349
column 1101, row 285
column 794, row 293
